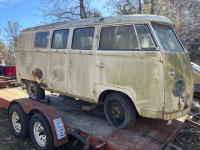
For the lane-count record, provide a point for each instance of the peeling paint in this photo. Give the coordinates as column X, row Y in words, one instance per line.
column 141, row 75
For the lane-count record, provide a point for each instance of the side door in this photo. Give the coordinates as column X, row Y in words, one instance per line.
column 81, row 63
column 128, row 58
column 58, row 61
column 177, row 70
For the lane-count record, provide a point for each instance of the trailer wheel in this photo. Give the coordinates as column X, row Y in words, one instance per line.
column 35, row 91
column 40, row 132
column 18, row 121
column 119, row 111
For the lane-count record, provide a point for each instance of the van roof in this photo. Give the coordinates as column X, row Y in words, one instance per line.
column 103, row 20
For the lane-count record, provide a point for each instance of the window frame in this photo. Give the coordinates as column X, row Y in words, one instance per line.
column 47, row 45
column 175, row 33
column 52, row 38
column 134, row 27
column 72, row 38
column 152, row 35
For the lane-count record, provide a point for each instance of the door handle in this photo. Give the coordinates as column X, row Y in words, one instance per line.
column 101, row 65
column 70, row 63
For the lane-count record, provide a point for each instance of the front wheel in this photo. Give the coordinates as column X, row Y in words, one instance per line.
column 35, row 91
column 119, row 111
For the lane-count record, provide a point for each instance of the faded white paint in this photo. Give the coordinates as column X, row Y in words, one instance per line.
column 141, row 75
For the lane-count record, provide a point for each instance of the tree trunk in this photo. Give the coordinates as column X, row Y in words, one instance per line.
column 152, row 7
column 140, row 7
column 82, row 10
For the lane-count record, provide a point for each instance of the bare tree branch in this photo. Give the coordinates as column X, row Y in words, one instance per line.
column 12, row 30
column 65, row 10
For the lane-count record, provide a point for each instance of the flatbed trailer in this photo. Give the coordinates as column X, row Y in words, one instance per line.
column 67, row 119
column 5, row 81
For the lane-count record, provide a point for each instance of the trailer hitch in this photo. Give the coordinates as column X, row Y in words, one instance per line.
column 76, row 134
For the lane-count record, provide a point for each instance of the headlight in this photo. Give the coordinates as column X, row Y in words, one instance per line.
column 178, row 88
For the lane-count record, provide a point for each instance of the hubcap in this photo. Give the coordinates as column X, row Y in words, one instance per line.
column 32, row 90
column 39, row 133
column 16, row 122
column 116, row 113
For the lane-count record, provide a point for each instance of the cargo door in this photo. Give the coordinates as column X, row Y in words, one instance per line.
column 58, row 61
column 81, row 63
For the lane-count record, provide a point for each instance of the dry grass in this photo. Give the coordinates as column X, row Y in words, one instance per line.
column 7, row 140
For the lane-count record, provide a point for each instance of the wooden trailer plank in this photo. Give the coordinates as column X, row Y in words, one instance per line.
column 13, row 93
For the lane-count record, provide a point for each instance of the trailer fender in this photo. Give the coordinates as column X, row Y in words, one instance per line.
column 54, row 118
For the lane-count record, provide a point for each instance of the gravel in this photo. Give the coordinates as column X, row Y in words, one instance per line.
column 189, row 136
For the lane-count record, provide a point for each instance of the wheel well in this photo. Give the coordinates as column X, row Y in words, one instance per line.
column 14, row 103
column 33, row 112
column 30, row 114
column 107, row 92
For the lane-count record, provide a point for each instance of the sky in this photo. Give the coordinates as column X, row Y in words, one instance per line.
column 26, row 12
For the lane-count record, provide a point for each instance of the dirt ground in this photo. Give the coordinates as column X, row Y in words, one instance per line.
column 188, row 138
column 7, row 140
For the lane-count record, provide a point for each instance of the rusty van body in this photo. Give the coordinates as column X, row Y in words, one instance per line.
column 137, row 58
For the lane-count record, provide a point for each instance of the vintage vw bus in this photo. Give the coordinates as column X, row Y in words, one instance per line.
column 132, row 64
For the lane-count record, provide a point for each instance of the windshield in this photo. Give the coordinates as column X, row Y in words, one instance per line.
column 167, row 38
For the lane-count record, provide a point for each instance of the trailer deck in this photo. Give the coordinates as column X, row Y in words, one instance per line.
column 93, row 128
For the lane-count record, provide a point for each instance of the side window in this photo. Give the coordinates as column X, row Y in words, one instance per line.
column 59, row 40
column 41, row 39
column 145, row 37
column 118, row 38
column 83, row 38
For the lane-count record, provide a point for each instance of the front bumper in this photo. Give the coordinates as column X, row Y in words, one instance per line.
column 175, row 115
column 165, row 116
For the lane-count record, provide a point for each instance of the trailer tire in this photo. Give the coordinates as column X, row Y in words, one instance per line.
column 119, row 111
column 40, row 132
column 18, row 121
column 35, row 91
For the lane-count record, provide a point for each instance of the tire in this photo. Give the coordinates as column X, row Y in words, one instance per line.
column 119, row 111
column 34, row 91
column 39, row 122
column 18, row 122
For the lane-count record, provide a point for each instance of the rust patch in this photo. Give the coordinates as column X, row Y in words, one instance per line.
column 33, row 73
column 38, row 73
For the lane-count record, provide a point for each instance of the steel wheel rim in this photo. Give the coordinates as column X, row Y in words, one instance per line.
column 39, row 133
column 32, row 90
column 116, row 113
column 16, row 122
